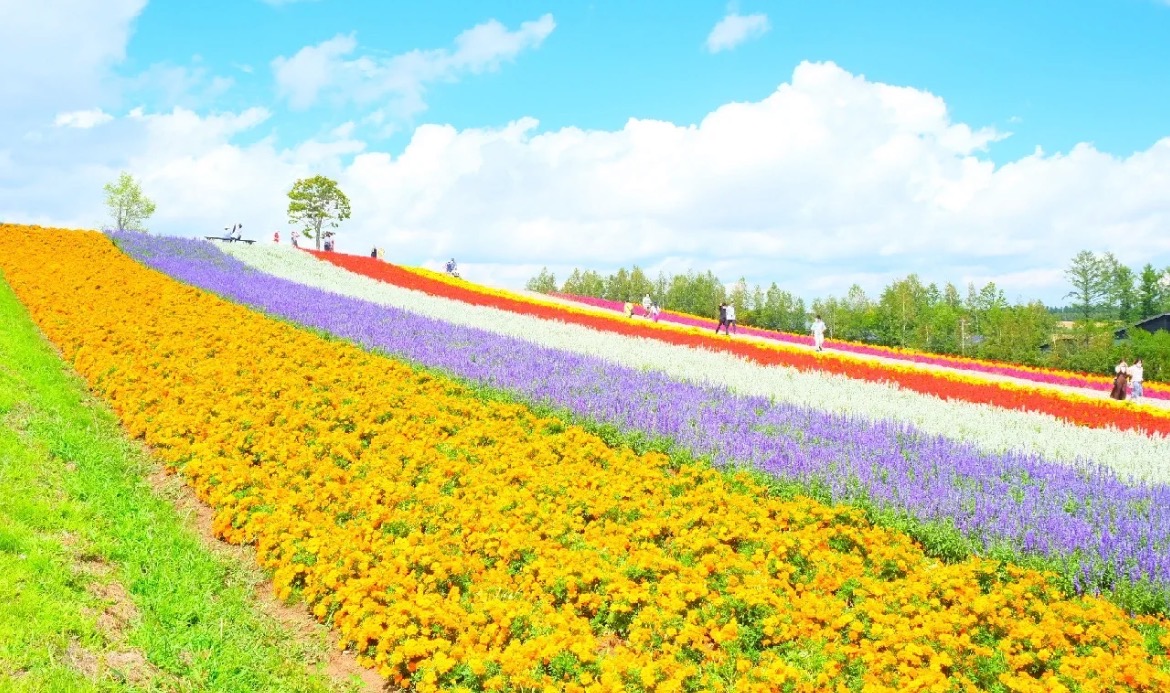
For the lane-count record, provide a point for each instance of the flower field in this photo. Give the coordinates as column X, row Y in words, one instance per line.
column 459, row 540
column 1128, row 453
column 1077, row 409
column 1065, row 512
column 1037, row 375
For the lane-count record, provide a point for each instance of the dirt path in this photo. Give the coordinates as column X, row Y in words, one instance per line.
column 1094, row 393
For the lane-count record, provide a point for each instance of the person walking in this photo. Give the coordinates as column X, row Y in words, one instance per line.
column 722, row 318
column 374, row 252
column 296, row 238
column 1136, row 374
column 1120, row 381
column 655, row 311
column 276, row 237
column 646, row 303
column 729, row 313
column 818, row 331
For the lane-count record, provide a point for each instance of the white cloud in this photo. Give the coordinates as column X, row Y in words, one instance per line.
column 831, row 179
column 82, row 119
column 57, row 54
column 329, row 67
column 735, row 29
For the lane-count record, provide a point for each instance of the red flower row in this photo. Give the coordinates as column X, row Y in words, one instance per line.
column 1078, row 410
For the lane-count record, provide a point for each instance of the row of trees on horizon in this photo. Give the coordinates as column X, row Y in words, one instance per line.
column 909, row 313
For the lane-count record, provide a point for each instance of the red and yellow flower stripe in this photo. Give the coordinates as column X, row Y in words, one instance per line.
column 1085, row 411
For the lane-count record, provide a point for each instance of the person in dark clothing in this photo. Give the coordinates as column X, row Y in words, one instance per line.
column 1120, row 384
column 722, row 319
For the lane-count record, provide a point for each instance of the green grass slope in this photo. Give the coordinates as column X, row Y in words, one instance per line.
column 104, row 585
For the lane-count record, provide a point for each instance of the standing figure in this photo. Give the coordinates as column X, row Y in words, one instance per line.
column 722, row 319
column 1120, row 380
column 276, row 237
column 729, row 313
column 1136, row 375
column 296, row 238
column 818, row 330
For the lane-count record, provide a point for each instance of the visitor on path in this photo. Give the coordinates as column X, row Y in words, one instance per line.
column 1120, row 380
column 1136, row 372
column 722, row 319
column 647, row 303
column 452, row 268
column 628, row 309
column 381, row 253
column 729, row 313
column 329, row 242
column 235, row 233
column 276, row 237
column 655, row 311
column 374, row 252
column 818, row 331
column 296, row 238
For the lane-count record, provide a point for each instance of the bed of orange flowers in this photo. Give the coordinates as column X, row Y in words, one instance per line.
column 464, row 543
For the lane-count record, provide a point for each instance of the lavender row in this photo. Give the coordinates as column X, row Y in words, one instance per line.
column 1109, row 528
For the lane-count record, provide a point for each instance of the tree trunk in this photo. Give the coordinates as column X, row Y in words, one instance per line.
column 317, row 235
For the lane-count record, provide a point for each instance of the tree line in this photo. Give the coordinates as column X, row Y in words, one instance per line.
column 979, row 322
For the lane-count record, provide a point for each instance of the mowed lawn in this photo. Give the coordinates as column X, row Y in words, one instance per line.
column 104, row 584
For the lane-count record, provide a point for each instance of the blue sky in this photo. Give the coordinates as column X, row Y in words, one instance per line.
column 1051, row 73
column 819, row 145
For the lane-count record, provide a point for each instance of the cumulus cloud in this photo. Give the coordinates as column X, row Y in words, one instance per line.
column 82, row 119
column 735, row 29
column 57, row 55
column 331, row 67
column 831, row 179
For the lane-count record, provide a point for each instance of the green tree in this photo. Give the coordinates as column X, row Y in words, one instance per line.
column 129, row 208
column 1090, row 278
column 316, row 202
column 1152, row 289
column 1122, row 293
column 545, row 282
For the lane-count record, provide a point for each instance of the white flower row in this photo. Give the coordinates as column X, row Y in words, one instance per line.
column 1129, row 453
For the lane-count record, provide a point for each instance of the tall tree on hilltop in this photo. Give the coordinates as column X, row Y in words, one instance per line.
column 129, row 208
column 316, row 202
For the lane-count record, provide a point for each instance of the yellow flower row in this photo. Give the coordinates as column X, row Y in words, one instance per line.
column 845, row 360
column 461, row 543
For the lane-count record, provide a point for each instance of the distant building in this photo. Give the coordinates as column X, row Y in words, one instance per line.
column 1158, row 323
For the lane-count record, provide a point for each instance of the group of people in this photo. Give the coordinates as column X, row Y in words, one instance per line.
column 452, row 268
column 727, row 322
column 726, row 319
column 1126, row 375
column 649, row 307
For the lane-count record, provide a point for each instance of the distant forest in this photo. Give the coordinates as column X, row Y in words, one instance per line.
column 1104, row 296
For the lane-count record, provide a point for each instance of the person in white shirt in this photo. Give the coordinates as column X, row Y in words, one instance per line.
column 1136, row 373
column 818, row 330
column 646, row 303
column 730, row 319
